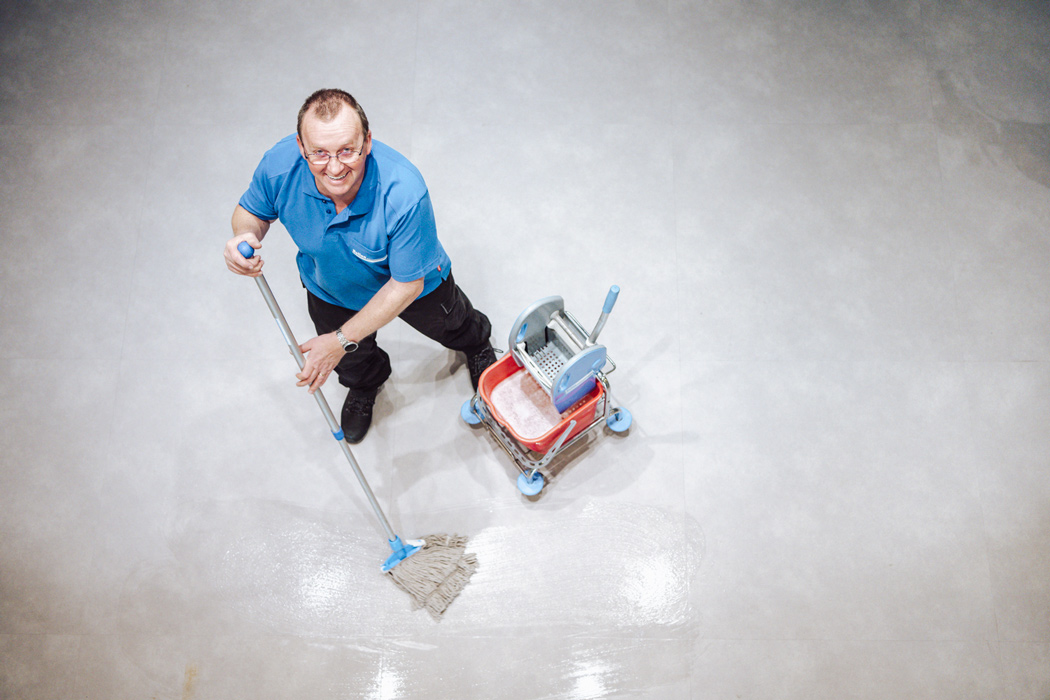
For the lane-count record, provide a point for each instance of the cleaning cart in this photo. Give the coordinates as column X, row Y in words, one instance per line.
column 549, row 391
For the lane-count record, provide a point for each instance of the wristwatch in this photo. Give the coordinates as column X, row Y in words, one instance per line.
column 348, row 345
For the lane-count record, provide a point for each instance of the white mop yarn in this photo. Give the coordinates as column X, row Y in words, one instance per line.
column 437, row 573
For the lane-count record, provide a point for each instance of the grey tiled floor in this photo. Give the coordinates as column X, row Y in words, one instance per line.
column 830, row 225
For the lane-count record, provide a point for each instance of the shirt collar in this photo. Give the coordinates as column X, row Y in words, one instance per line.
column 366, row 196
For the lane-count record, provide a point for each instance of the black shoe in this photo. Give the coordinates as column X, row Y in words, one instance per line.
column 357, row 416
column 478, row 363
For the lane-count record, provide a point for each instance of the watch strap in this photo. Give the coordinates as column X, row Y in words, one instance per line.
column 348, row 345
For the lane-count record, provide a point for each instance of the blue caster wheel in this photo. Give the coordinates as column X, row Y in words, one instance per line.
column 620, row 420
column 468, row 414
column 530, row 487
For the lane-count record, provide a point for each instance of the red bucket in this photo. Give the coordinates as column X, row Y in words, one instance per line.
column 583, row 412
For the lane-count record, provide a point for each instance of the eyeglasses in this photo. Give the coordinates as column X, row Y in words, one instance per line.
column 347, row 156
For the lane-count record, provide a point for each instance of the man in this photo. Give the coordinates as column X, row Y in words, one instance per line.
column 361, row 217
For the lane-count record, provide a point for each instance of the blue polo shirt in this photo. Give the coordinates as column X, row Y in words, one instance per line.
column 388, row 231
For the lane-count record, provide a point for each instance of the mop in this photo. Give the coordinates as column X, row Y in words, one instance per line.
column 433, row 570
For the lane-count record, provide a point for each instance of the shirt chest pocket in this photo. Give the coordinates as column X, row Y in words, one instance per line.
column 367, row 246
column 369, row 255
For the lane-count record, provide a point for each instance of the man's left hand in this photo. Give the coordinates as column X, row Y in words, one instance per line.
column 322, row 355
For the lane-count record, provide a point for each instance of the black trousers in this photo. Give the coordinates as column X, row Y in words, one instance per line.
column 445, row 315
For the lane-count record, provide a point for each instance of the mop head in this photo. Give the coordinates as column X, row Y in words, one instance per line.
column 437, row 573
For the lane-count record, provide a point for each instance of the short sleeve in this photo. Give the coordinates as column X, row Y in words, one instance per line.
column 260, row 199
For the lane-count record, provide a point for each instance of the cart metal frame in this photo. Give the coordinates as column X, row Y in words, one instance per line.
column 528, row 461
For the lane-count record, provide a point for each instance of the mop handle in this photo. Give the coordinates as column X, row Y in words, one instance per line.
column 247, row 251
column 610, row 299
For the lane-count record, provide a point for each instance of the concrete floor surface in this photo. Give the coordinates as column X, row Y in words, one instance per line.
column 829, row 224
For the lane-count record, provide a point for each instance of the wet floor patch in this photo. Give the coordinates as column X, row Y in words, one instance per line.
column 268, row 567
column 613, row 565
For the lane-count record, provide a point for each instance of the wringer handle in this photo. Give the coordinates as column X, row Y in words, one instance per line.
column 247, row 251
column 610, row 300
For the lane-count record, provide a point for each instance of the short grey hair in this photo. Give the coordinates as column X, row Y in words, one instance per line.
column 327, row 103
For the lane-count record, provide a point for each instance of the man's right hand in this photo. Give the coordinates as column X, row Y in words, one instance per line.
column 237, row 263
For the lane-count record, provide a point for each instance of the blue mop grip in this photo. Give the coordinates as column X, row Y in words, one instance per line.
column 245, row 249
column 610, row 299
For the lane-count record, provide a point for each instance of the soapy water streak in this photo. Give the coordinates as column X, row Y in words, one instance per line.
column 271, row 567
column 605, row 564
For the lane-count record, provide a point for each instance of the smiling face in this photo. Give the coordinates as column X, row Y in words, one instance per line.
column 336, row 179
